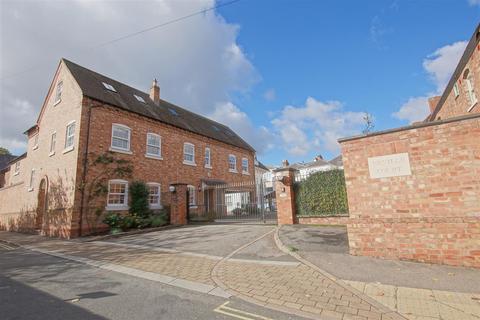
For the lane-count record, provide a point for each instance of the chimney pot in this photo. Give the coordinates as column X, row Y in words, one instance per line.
column 155, row 92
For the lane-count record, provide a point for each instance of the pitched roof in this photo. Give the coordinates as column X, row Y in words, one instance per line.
column 312, row 164
column 472, row 44
column 91, row 85
column 261, row 165
column 5, row 160
column 337, row 161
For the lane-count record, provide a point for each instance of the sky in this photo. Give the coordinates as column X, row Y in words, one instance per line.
column 290, row 77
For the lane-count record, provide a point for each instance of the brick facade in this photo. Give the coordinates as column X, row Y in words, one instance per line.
column 324, row 220
column 432, row 215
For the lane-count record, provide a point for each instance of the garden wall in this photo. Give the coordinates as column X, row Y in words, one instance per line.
column 337, row 220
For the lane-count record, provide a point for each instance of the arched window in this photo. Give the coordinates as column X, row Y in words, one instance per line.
column 470, row 89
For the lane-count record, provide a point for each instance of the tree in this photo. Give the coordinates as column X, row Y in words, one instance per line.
column 369, row 125
column 4, row 151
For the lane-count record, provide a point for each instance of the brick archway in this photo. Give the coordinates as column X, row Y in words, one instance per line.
column 41, row 205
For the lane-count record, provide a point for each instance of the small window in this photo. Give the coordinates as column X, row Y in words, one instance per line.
column 232, row 163
column 208, row 160
column 154, row 195
column 244, row 165
column 70, row 135
column 109, row 87
column 117, row 194
column 188, row 153
column 120, row 137
column 172, row 111
column 191, row 196
column 32, row 180
column 53, row 142
column 35, row 141
column 472, row 97
column 139, row 98
column 456, row 91
column 58, row 92
column 154, row 145
column 17, row 168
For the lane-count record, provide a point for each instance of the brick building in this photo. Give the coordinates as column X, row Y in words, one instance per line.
column 92, row 128
column 414, row 192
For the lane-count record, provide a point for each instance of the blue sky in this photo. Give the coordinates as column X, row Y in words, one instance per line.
column 291, row 77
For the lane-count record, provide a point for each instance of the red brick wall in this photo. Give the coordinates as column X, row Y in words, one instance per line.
column 432, row 215
column 169, row 170
column 327, row 220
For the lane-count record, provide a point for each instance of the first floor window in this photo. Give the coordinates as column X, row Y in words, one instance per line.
column 32, row 179
column 154, row 195
column 58, row 93
column 245, row 165
column 208, row 162
column 232, row 163
column 188, row 153
column 191, row 196
column 53, row 141
column 117, row 193
column 70, row 135
column 35, row 141
column 120, row 137
column 17, row 167
column 456, row 91
column 154, row 147
column 471, row 92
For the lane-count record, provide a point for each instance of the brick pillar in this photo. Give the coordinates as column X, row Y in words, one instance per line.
column 178, row 204
column 284, row 178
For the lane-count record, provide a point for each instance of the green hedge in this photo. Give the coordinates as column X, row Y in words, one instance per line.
column 322, row 193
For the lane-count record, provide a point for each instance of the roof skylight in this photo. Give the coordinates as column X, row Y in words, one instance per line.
column 109, row 87
column 173, row 111
column 139, row 98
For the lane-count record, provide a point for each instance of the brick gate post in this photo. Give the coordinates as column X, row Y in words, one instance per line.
column 178, row 204
column 284, row 179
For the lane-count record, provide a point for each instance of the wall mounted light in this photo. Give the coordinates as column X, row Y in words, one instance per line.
column 171, row 189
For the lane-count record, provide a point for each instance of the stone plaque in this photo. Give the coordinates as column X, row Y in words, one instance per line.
column 393, row 165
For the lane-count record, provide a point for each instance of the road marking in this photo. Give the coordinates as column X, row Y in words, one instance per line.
column 6, row 247
column 239, row 314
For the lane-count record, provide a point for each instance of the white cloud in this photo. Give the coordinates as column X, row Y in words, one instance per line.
column 198, row 61
column 474, row 2
column 270, row 95
column 316, row 126
column 229, row 114
column 439, row 67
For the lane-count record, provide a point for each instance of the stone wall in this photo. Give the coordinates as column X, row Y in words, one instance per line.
column 431, row 215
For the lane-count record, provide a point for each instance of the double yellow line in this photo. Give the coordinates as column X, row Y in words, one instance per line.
column 239, row 314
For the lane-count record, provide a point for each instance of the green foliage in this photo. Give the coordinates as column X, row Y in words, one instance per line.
column 237, row 211
column 4, row 151
column 139, row 203
column 114, row 220
column 322, row 193
column 157, row 221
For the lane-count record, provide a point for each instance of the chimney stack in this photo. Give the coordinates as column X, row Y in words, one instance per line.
column 155, row 92
column 285, row 163
column 432, row 102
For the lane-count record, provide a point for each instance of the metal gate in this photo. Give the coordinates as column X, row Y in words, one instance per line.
column 249, row 201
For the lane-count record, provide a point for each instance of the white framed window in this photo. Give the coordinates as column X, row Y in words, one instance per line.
column 154, row 145
column 117, row 198
column 35, row 141
column 32, row 180
column 69, row 136
column 244, row 165
column 120, row 138
column 17, row 168
column 456, row 91
column 232, row 163
column 58, row 92
column 472, row 97
column 139, row 98
column 192, row 201
column 154, row 195
column 188, row 153
column 109, row 87
column 53, row 142
column 208, row 158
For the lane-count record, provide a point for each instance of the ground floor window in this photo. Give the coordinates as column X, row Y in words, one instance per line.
column 154, row 195
column 117, row 194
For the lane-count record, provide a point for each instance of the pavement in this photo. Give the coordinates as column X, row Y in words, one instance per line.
column 415, row 290
column 292, row 271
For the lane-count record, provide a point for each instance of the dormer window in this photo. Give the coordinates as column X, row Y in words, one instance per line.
column 139, row 98
column 109, row 87
column 58, row 92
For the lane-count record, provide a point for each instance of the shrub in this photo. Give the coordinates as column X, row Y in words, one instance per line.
column 322, row 193
column 157, row 221
column 237, row 211
column 113, row 220
column 139, row 204
column 130, row 222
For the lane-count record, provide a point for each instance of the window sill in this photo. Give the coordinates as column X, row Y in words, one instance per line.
column 152, row 156
column 51, row 154
column 116, row 208
column 30, row 189
column 57, row 102
column 156, row 207
column 67, row 150
column 232, row 171
column 16, row 173
column 192, row 206
column 208, row 167
column 472, row 106
column 35, row 147
column 188, row 163
column 120, row 151
column 246, row 173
